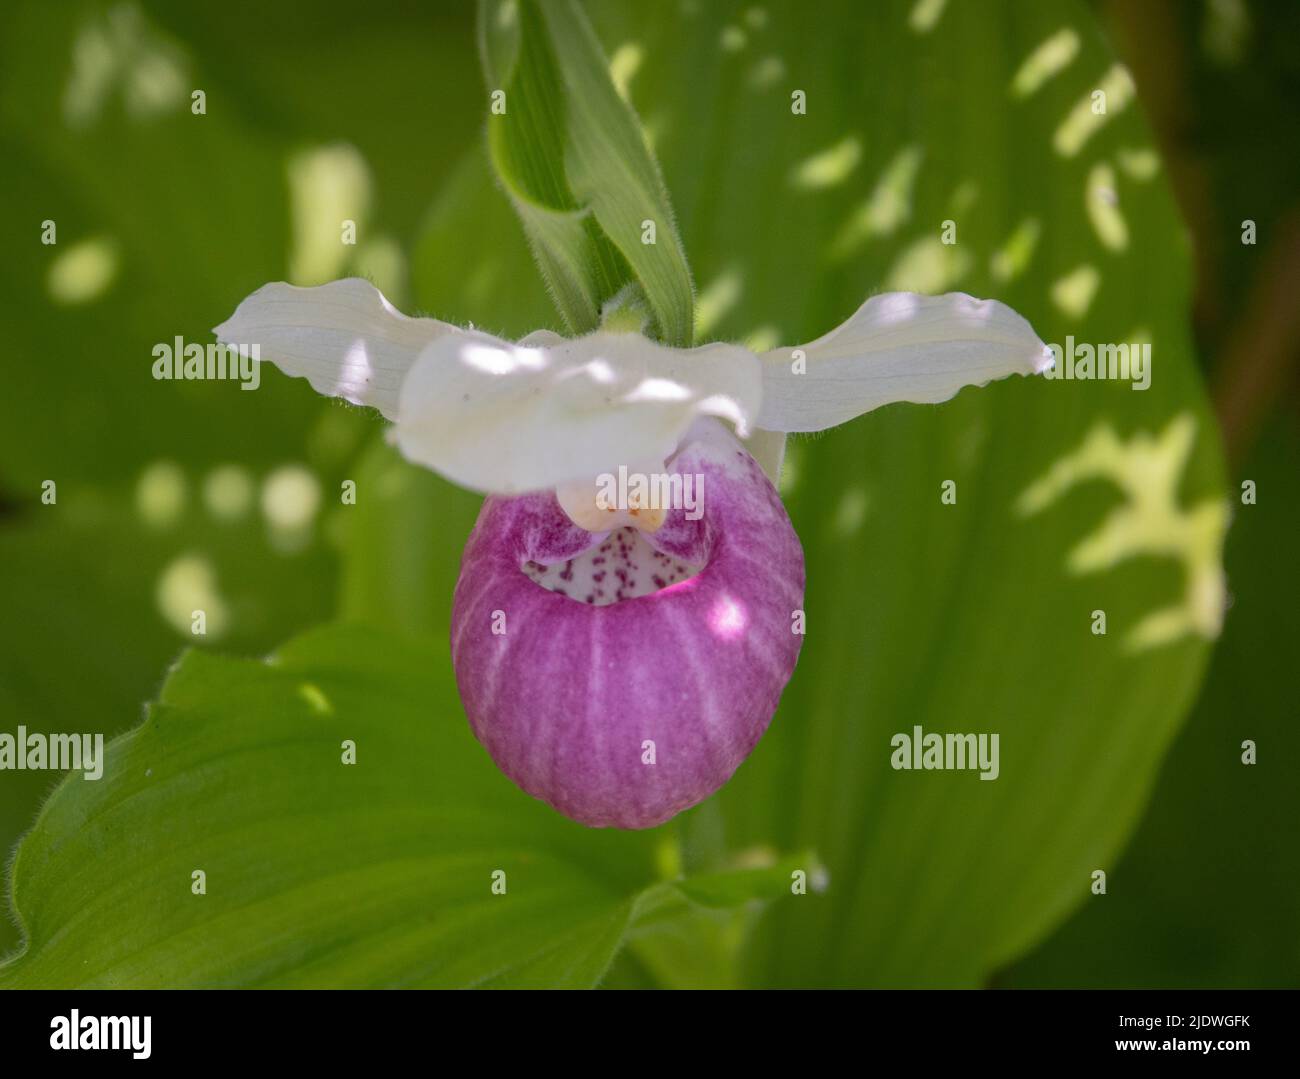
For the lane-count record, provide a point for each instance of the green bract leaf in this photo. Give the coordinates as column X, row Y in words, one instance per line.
column 570, row 154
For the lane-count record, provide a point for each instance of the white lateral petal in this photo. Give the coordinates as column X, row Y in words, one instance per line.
column 505, row 418
column 898, row 346
column 344, row 338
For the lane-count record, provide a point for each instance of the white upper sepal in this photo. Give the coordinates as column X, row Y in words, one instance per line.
column 506, row 418
column 898, row 346
column 345, row 338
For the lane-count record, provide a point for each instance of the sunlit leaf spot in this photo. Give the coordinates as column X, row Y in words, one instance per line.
column 1074, row 292
column 830, row 167
column 888, row 208
column 762, row 338
column 290, row 498
column 328, row 185
column 83, row 272
column 1139, row 163
column 187, row 585
column 122, row 47
column 732, row 39
column 1148, row 471
column 1011, row 259
column 1050, row 58
column 160, row 494
column 715, row 301
column 1083, row 122
column 1102, row 201
column 928, row 265
column 228, row 492
column 316, row 699
column 767, row 72
column 624, row 64
column 925, row 15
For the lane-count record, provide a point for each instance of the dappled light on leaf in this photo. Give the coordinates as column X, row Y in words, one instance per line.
column 84, row 272
column 1074, row 292
column 1045, row 62
column 1148, row 470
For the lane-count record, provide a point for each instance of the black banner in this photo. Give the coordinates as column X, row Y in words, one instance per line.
column 149, row 1028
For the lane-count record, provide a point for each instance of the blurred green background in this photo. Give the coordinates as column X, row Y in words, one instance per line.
column 965, row 618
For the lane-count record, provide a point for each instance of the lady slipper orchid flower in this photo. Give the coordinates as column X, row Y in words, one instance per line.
column 620, row 657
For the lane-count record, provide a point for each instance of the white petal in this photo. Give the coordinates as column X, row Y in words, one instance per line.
column 898, row 346
column 507, row 418
column 344, row 338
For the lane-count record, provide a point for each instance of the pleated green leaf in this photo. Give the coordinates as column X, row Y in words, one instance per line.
column 325, row 818
column 569, row 152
